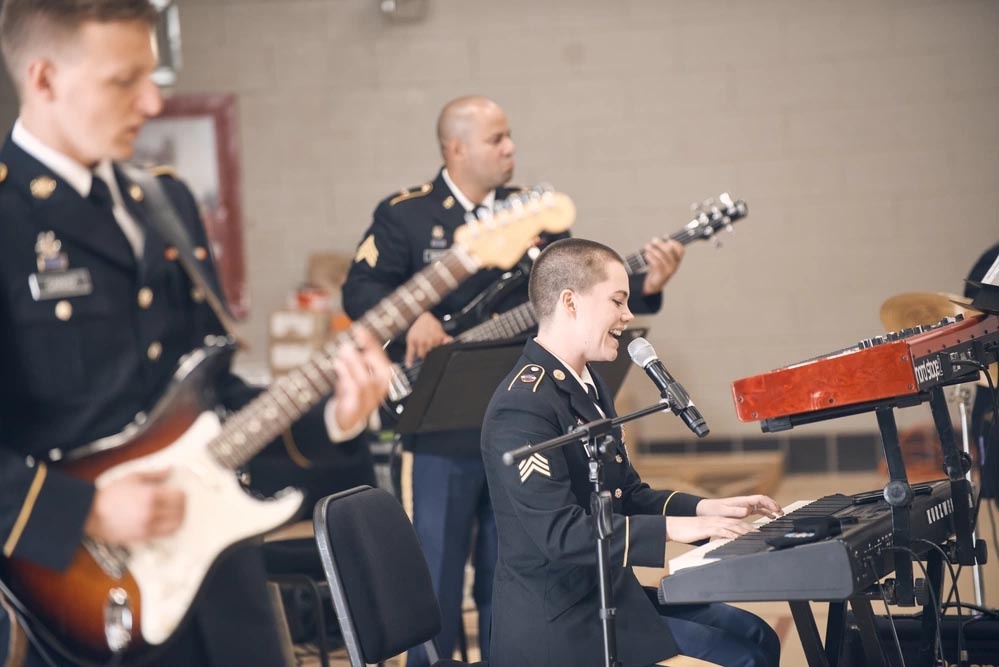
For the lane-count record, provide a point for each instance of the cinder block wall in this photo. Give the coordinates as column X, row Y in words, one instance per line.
column 863, row 135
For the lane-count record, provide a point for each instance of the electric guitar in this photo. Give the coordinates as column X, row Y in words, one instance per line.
column 710, row 217
column 124, row 601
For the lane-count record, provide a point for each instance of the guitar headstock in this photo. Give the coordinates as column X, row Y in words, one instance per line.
column 714, row 215
column 498, row 238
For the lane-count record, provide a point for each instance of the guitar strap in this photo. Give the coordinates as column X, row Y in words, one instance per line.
column 17, row 642
column 166, row 221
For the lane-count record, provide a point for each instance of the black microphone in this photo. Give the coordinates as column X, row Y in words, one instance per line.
column 643, row 354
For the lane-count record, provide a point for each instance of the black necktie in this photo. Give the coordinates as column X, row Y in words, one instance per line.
column 100, row 196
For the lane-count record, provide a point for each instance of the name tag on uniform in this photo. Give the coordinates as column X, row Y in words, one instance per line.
column 431, row 256
column 60, row 285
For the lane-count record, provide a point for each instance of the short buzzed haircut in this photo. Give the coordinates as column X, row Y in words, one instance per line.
column 576, row 264
column 456, row 117
column 29, row 24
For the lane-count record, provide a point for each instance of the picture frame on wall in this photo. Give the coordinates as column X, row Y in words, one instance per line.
column 198, row 136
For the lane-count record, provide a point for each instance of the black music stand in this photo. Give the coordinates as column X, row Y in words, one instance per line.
column 457, row 381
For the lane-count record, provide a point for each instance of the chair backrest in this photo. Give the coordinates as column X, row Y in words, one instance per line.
column 378, row 577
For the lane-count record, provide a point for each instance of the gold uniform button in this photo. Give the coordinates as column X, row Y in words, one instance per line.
column 198, row 295
column 171, row 254
column 619, row 458
column 154, row 351
column 135, row 192
column 42, row 187
column 618, row 493
column 201, row 253
column 64, row 310
column 145, row 298
column 3, row 172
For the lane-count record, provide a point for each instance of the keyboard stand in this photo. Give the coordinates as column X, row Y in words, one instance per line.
column 831, row 654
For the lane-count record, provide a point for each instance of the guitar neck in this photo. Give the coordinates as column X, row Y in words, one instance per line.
column 636, row 263
column 291, row 396
column 505, row 325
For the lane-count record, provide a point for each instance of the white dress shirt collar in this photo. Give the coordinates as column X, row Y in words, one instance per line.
column 465, row 202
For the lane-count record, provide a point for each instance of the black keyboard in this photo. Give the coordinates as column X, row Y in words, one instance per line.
column 750, row 568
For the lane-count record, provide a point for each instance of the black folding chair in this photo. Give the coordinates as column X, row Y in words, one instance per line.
column 378, row 577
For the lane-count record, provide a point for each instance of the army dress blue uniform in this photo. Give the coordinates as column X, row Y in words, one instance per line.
column 90, row 335
column 546, row 598
column 410, row 230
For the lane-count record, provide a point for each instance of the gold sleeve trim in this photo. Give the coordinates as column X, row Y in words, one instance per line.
column 668, row 498
column 627, row 539
column 294, row 453
column 406, row 483
column 26, row 508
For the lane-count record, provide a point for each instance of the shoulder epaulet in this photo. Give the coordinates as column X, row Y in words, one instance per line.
column 164, row 170
column 416, row 191
column 528, row 376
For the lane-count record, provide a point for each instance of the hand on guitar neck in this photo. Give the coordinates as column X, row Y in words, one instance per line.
column 663, row 258
column 425, row 334
column 363, row 374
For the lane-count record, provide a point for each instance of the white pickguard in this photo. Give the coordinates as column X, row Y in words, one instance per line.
column 218, row 513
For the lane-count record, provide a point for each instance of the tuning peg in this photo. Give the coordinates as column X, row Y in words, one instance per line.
column 517, row 203
column 726, row 201
column 534, row 201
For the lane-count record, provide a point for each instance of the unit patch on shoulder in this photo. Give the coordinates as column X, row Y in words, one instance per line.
column 367, row 251
column 530, row 374
column 535, row 463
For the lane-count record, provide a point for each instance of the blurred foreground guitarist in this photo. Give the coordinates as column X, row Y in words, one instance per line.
column 96, row 309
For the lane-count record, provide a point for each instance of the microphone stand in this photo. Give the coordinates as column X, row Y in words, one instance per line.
column 598, row 442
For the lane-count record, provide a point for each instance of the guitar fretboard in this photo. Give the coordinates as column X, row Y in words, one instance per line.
column 636, row 262
column 292, row 395
column 509, row 324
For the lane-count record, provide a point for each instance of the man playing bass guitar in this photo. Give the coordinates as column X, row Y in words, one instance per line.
column 409, row 231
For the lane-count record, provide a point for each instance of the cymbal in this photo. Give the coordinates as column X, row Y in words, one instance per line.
column 911, row 309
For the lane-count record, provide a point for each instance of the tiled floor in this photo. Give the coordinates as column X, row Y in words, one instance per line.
column 797, row 487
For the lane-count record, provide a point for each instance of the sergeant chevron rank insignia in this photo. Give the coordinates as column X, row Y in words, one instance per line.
column 535, row 463
column 367, row 252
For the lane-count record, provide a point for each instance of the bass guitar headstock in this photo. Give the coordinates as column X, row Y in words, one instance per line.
column 712, row 216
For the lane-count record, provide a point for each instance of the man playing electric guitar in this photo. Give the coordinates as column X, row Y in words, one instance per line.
column 95, row 312
column 410, row 230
